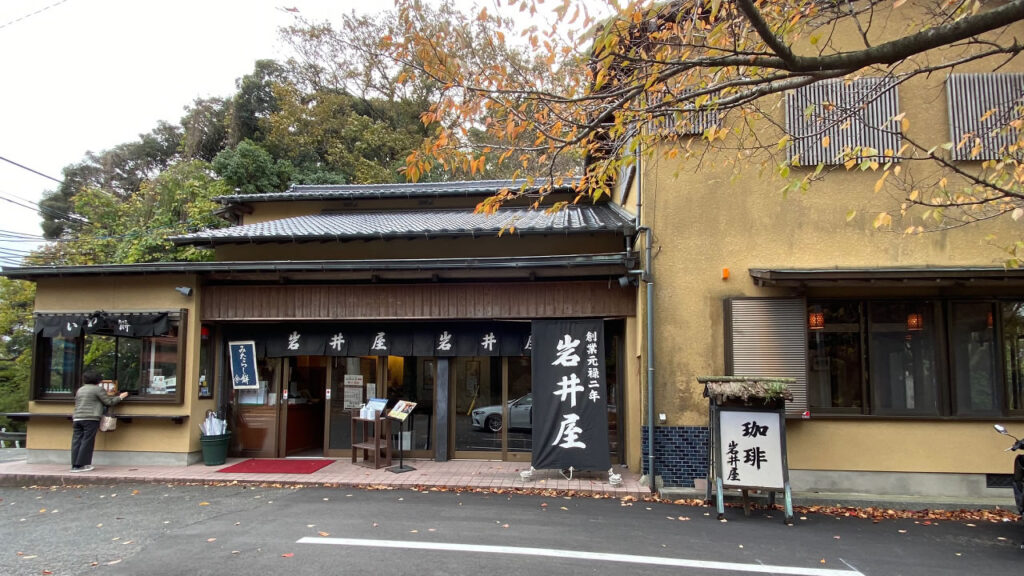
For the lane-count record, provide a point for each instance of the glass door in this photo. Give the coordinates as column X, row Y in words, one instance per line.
column 492, row 408
column 411, row 378
column 519, row 432
column 352, row 381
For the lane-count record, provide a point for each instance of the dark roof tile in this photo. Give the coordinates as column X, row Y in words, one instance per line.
column 415, row 190
column 426, row 223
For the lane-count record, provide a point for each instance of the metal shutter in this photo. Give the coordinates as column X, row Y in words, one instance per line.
column 970, row 97
column 768, row 337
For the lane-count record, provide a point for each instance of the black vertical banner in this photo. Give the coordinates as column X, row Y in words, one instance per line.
column 570, row 414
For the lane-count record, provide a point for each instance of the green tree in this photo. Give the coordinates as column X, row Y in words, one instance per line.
column 249, row 169
column 342, row 67
column 16, row 331
column 205, row 127
column 120, row 171
column 324, row 132
column 124, row 231
column 254, row 101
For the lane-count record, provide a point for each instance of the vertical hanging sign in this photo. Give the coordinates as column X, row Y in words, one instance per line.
column 570, row 413
column 243, row 365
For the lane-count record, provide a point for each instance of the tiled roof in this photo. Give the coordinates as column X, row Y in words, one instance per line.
column 415, row 190
column 423, row 223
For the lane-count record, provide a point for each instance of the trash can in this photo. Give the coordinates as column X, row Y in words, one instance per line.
column 215, row 448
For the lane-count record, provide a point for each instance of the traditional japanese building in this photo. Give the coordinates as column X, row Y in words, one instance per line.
column 344, row 293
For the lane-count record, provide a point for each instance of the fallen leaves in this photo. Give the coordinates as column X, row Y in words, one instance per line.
column 927, row 516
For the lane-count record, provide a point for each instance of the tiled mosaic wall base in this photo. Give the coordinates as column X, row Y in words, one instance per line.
column 680, row 454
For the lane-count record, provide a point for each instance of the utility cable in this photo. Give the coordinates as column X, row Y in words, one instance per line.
column 23, row 167
column 30, row 14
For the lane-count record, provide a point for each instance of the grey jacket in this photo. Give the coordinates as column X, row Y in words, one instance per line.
column 90, row 400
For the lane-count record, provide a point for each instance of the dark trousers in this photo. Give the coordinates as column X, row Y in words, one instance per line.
column 83, row 438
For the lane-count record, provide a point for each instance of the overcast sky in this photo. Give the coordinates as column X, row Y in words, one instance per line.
column 86, row 75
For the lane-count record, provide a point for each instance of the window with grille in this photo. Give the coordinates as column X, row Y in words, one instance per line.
column 833, row 120
column 982, row 110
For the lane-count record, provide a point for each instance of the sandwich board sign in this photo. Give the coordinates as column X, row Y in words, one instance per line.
column 750, row 453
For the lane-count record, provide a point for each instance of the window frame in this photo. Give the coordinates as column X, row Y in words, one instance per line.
column 1001, row 337
column 998, row 384
column 948, row 387
column 42, row 354
column 814, row 393
column 940, row 356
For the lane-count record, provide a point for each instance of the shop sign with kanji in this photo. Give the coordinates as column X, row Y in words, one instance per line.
column 751, row 450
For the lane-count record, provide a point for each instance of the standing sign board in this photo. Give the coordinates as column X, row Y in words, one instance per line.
column 751, row 449
column 570, row 413
column 750, row 453
column 243, row 365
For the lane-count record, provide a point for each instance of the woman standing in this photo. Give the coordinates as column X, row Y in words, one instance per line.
column 89, row 402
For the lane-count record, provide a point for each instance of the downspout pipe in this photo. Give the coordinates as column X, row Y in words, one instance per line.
column 649, row 334
column 647, row 278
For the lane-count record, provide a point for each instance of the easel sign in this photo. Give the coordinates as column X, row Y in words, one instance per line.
column 750, row 453
column 402, row 410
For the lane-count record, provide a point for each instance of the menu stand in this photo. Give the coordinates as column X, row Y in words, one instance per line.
column 400, row 412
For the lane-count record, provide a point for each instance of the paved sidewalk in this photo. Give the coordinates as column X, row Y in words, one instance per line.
column 451, row 475
column 454, row 474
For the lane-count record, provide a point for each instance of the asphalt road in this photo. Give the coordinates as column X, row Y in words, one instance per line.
column 156, row 529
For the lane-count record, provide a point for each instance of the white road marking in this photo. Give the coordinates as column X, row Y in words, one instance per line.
column 553, row 553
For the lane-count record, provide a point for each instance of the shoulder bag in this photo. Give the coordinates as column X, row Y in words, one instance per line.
column 108, row 421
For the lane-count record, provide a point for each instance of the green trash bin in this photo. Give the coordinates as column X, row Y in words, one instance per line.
column 215, row 448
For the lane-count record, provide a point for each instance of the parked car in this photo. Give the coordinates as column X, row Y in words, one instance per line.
column 520, row 413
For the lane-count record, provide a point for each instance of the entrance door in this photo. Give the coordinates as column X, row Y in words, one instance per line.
column 492, row 408
column 256, row 412
column 353, row 381
column 303, row 412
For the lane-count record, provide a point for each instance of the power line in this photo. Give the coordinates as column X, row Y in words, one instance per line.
column 42, row 210
column 30, row 14
column 23, row 167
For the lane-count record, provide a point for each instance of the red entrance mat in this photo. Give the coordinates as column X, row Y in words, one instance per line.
column 276, row 466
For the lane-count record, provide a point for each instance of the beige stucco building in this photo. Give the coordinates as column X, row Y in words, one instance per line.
column 905, row 348
column 344, row 293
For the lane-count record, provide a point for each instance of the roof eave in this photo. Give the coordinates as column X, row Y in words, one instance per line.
column 612, row 261
column 917, row 276
column 210, row 241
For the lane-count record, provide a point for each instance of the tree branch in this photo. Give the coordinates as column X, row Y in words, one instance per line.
column 754, row 17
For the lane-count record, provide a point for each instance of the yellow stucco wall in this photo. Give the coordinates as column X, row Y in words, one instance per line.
column 897, row 446
column 137, row 294
column 706, row 219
